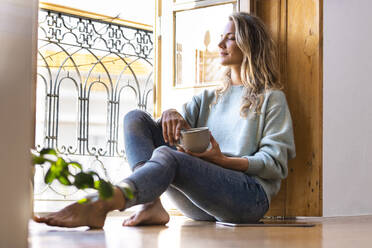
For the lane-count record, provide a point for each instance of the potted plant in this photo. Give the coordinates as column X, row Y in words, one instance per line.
column 61, row 169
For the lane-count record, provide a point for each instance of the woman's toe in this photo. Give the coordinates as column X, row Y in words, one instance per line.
column 52, row 222
column 133, row 221
column 39, row 219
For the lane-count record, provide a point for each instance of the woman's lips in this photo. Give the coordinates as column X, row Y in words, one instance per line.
column 223, row 53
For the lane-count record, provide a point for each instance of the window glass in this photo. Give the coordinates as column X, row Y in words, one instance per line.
column 197, row 33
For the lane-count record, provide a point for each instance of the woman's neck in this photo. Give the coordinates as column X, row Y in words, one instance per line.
column 235, row 75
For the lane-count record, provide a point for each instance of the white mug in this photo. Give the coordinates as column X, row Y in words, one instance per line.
column 195, row 139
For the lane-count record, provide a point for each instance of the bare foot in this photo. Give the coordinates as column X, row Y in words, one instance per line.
column 151, row 213
column 92, row 214
column 74, row 215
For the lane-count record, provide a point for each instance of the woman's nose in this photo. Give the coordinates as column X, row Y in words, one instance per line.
column 221, row 44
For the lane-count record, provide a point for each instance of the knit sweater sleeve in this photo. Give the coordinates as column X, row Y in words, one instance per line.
column 276, row 146
column 190, row 110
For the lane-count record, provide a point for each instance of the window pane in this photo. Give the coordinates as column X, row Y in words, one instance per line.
column 196, row 51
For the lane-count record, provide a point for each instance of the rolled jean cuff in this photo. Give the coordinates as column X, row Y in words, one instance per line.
column 128, row 184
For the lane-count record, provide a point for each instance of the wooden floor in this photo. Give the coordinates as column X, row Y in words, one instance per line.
column 337, row 232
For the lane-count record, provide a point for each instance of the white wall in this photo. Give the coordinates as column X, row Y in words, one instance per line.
column 347, row 108
column 17, row 49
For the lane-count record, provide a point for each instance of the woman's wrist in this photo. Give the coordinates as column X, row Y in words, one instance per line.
column 224, row 161
column 234, row 163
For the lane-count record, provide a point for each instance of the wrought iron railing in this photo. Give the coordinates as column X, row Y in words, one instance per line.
column 79, row 58
column 105, row 43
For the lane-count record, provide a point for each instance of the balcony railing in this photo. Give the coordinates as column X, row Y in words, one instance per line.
column 90, row 73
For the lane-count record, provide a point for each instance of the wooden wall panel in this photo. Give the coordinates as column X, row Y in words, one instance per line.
column 296, row 27
column 305, row 99
column 270, row 12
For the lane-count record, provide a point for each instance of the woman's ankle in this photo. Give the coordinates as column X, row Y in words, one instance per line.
column 117, row 201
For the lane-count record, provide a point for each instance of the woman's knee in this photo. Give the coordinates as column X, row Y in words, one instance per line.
column 135, row 119
column 165, row 150
column 165, row 154
column 134, row 115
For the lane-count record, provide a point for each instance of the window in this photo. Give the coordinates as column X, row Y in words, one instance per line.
column 91, row 71
column 197, row 37
column 189, row 34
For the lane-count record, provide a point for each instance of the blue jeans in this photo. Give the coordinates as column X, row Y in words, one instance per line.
column 201, row 190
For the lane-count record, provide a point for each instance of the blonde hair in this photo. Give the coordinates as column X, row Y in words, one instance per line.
column 259, row 69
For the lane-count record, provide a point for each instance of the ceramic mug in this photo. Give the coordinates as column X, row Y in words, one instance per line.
column 195, row 139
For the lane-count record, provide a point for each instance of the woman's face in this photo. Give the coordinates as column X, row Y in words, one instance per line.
column 230, row 53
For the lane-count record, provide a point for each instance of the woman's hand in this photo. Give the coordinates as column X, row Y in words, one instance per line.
column 213, row 154
column 172, row 123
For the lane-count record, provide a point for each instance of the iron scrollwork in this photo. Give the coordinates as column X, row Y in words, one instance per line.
column 91, row 56
column 73, row 35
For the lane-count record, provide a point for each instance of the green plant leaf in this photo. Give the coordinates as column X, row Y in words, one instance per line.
column 96, row 185
column 83, row 201
column 61, row 164
column 128, row 193
column 93, row 173
column 48, row 151
column 76, row 164
column 59, row 169
column 83, row 180
column 64, row 180
column 105, row 189
column 38, row 159
column 50, row 176
column 56, row 170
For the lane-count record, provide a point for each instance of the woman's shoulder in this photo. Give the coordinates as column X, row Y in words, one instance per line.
column 275, row 93
column 206, row 95
column 275, row 97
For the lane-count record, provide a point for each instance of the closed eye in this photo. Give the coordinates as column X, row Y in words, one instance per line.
column 228, row 36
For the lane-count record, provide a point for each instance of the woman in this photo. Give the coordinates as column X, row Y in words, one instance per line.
column 251, row 143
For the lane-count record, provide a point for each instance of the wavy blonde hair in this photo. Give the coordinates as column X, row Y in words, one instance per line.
column 259, row 69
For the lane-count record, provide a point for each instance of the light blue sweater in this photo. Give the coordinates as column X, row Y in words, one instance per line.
column 266, row 140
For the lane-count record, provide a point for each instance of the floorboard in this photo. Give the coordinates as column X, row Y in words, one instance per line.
column 182, row 232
